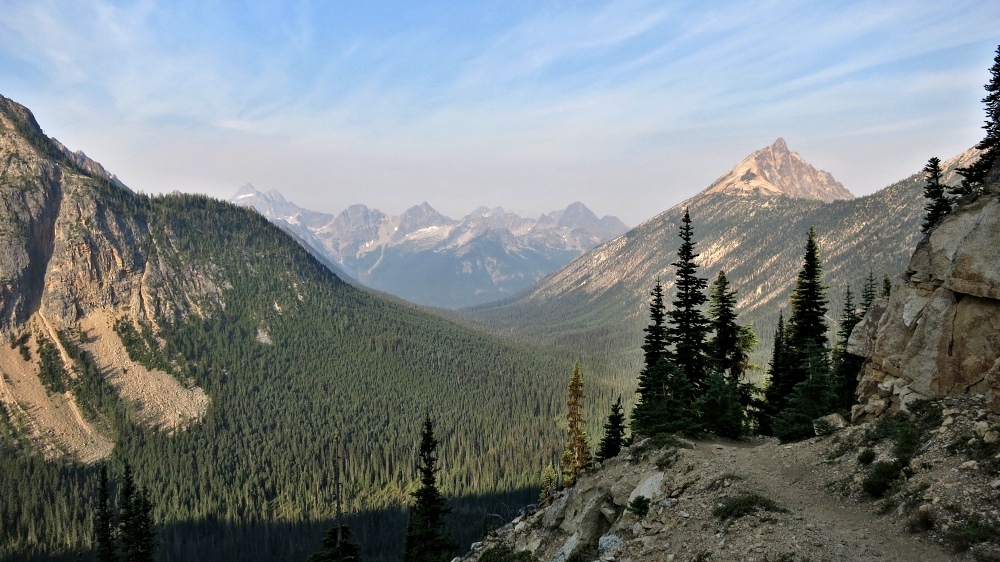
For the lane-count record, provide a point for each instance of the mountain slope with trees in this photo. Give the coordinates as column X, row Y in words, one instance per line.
column 215, row 297
column 598, row 302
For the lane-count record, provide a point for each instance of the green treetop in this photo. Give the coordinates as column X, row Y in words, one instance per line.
column 974, row 176
column 614, row 433
column 688, row 326
column 725, row 346
column 938, row 204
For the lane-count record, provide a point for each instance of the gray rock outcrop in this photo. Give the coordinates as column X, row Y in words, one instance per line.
column 67, row 245
column 939, row 332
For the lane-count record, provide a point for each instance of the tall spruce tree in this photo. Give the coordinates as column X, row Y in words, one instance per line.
column 807, row 323
column 614, row 433
column 974, row 176
column 726, row 354
column 779, row 384
column 651, row 388
column 687, row 326
column 425, row 541
column 846, row 366
column 104, row 522
column 654, row 345
column 938, row 204
column 868, row 292
column 805, row 333
column 576, row 456
column 136, row 527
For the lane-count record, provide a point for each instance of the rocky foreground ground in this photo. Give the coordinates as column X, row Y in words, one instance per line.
column 920, row 486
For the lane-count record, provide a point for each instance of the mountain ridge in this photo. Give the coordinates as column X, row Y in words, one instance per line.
column 598, row 302
column 430, row 259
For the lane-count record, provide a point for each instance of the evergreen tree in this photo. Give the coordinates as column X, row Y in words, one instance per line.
column 576, row 457
column 846, row 366
column 650, row 387
column 136, row 529
column 804, row 339
column 751, row 397
column 654, row 344
column 938, row 204
column 811, row 398
column 548, row 485
column 974, row 176
column 868, row 293
column 886, row 286
column 614, row 433
column 667, row 405
column 424, row 540
column 720, row 408
column 778, row 388
column 688, row 327
column 337, row 547
column 104, row 524
column 725, row 346
column 807, row 323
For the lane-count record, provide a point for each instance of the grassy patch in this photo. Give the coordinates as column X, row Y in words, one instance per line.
column 745, row 504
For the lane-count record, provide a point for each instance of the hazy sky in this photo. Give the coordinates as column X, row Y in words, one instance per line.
column 628, row 106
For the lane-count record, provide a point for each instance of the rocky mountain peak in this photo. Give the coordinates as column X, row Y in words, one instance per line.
column 775, row 170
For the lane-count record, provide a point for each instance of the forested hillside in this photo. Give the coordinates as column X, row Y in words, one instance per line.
column 289, row 357
column 599, row 302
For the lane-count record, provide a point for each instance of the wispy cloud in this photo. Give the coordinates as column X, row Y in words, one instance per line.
column 464, row 102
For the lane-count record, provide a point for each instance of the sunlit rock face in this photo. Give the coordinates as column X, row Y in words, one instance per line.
column 775, row 170
column 939, row 332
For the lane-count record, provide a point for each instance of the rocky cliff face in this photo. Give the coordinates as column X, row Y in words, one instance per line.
column 74, row 245
column 775, row 170
column 939, row 332
column 430, row 259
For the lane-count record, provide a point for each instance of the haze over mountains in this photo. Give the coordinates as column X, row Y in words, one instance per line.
column 433, row 260
column 752, row 223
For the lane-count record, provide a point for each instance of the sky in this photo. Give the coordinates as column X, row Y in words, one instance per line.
column 628, row 106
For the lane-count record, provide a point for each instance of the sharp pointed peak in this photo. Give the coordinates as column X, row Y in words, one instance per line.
column 775, row 170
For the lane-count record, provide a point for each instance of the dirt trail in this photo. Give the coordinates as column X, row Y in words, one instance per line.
column 795, row 478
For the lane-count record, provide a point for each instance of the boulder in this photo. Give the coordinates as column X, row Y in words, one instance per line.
column 650, row 487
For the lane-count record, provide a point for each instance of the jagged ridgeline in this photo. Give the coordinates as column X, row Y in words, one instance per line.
column 216, row 298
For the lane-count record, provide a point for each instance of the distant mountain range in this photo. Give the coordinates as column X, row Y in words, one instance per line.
column 433, row 260
column 752, row 223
